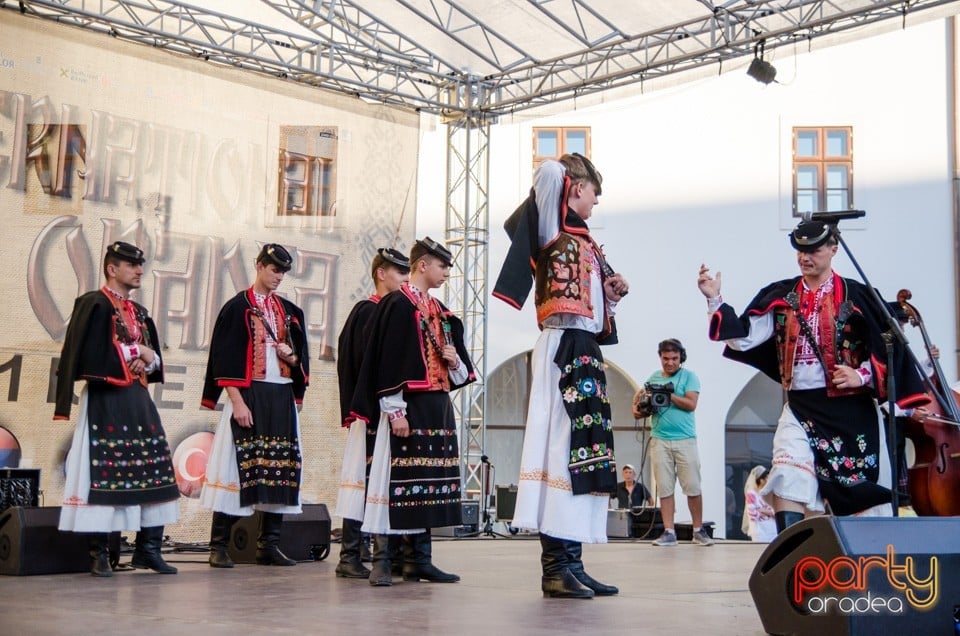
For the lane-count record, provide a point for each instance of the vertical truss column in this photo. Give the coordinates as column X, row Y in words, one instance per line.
column 467, row 235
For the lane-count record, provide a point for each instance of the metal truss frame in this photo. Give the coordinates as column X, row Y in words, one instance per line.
column 467, row 236
column 342, row 46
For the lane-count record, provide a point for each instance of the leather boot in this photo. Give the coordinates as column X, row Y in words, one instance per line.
column 418, row 563
column 220, row 528
column 575, row 563
column 350, row 566
column 100, row 556
column 557, row 580
column 268, row 543
column 365, row 555
column 398, row 547
column 380, row 575
column 786, row 518
column 146, row 552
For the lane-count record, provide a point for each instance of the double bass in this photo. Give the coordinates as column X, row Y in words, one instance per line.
column 934, row 479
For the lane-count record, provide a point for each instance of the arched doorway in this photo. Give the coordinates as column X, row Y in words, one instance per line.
column 508, row 394
column 750, row 424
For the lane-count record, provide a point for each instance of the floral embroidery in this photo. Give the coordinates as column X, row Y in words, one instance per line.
column 839, row 465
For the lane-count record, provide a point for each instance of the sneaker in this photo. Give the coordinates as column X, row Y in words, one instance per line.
column 701, row 537
column 667, row 538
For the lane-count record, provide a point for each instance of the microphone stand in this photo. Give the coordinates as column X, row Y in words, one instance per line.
column 487, row 526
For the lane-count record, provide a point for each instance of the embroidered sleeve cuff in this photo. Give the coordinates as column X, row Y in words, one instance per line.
column 713, row 304
column 396, row 415
column 865, row 375
column 130, row 352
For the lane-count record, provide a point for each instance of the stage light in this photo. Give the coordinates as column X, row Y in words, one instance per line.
column 762, row 71
column 759, row 69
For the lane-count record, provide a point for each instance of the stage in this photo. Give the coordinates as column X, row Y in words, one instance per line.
column 687, row 589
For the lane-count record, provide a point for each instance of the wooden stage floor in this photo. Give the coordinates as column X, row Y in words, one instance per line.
column 686, row 589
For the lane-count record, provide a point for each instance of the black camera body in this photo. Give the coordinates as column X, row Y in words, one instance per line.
column 659, row 395
column 655, row 398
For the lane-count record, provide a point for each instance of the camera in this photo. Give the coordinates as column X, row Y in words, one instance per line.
column 655, row 398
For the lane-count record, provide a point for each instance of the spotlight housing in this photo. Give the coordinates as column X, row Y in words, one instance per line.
column 762, row 71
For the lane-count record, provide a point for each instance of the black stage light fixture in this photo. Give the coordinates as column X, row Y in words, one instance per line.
column 760, row 70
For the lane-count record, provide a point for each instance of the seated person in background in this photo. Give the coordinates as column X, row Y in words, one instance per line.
column 758, row 515
column 630, row 493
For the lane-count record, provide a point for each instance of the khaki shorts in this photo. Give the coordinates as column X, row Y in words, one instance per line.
column 676, row 459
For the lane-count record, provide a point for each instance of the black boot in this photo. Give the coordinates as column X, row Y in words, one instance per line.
column 365, row 555
column 220, row 528
column 786, row 518
column 100, row 556
column 575, row 564
column 399, row 546
column 350, row 566
column 418, row 563
column 380, row 575
column 146, row 552
column 268, row 543
column 557, row 580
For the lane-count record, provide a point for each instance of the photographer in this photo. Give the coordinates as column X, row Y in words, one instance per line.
column 669, row 398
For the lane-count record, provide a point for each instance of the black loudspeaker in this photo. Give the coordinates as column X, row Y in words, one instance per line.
column 303, row 537
column 470, row 513
column 30, row 543
column 849, row 575
column 647, row 523
column 19, row 487
column 506, row 502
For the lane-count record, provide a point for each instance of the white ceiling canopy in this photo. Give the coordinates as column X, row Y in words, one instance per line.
column 480, row 58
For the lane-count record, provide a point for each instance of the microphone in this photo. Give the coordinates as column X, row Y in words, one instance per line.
column 832, row 218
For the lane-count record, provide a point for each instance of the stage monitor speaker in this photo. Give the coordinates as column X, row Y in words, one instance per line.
column 303, row 537
column 30, row 543
column 859, row 576
column 506, row 502
column 19, row 487
column 470, row 512
column 469, row 521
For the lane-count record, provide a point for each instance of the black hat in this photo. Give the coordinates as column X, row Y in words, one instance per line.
column 276, row 254
column 126, row 252
column 810, row 235
column 395, row 258
column 437, row 249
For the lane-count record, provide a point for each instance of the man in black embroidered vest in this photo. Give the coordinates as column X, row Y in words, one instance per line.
column 390, row 270
column 567, row 467
column 414, row 358
column 259, row 355
column 819, row 336
column 119, row 471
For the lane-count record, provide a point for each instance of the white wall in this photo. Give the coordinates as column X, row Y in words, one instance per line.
column 702, row 173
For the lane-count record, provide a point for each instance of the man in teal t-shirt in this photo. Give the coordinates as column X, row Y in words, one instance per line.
column 673, row 446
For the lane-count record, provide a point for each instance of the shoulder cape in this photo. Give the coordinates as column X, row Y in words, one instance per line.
column 230, row 360
column 395, row 356
column 350, row 348
column 91, row 352
column 726, row 325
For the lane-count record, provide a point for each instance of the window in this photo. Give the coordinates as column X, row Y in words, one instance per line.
column 307, row 165
column 552, row 143
column 822, row 169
